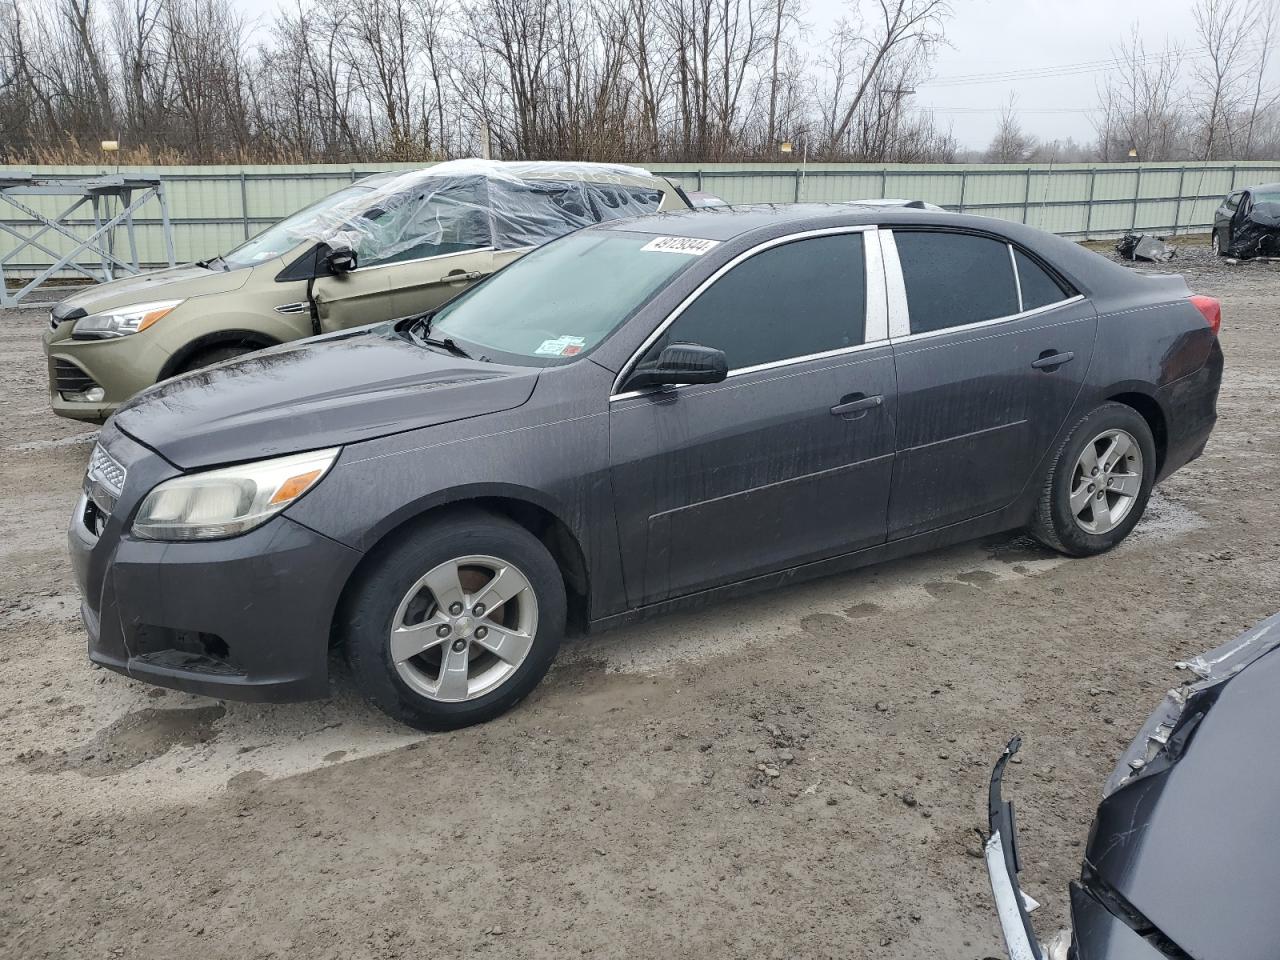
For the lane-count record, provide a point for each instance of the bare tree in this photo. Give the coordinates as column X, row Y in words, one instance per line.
column 1224, row 28
column 904, row 26
column 1011, row 144
column 1140, row 107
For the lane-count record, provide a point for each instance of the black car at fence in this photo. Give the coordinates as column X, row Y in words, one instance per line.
column 1247, row 223
column 638, row 417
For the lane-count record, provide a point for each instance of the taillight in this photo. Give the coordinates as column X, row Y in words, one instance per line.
column 1211, row 309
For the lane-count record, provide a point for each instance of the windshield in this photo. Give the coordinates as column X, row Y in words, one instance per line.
column 1266, row 196
column 291, row 231
column 564, row 298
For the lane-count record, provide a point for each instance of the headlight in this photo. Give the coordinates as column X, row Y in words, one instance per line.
column 121, row 321
column 230, row 501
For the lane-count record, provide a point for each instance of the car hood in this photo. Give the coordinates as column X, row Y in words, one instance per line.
column 322, row 392
column 174, row 283
column 1190, row 839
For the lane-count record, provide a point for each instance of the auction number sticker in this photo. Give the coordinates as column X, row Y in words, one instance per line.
column 687, row 245
column 561, row 347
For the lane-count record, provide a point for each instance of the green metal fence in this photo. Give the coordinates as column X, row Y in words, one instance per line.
column 213, row 208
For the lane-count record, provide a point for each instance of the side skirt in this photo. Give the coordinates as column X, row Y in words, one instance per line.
column 1009, row 518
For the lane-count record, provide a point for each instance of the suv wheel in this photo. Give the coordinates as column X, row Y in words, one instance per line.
column 457, row 623
column 1215, row 241
column 1098, row 484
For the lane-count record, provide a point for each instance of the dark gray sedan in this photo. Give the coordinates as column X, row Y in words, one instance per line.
column 637, row 417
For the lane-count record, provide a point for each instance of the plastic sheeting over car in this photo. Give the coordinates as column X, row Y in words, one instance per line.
column 473, row 204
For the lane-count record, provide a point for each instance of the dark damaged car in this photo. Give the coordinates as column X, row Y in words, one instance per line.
column 632, row 419
column 1247, row 223
column 1182, row 858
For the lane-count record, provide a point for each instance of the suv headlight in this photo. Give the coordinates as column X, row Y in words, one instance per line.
column 121, row 321
column 231, row 500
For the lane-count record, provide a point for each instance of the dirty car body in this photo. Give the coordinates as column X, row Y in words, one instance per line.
column 863, row 400
column 384, row 247
column 1181, row 860
column 1247, row 223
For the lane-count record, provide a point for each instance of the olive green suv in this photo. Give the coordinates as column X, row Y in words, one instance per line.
column 387, row 246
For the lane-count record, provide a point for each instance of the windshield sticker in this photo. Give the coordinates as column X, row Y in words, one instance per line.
column 561, row 347
column 687, row 245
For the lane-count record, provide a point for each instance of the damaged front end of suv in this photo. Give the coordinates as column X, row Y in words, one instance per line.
column 1183, row 858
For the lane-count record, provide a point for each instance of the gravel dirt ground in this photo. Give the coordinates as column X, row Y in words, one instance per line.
column 800, row 775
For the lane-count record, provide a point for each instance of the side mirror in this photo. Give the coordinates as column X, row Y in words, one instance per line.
column 340, row 261
column 681, row 363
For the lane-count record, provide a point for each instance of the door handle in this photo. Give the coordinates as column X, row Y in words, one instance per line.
column 1051, row 360
column 856, row 405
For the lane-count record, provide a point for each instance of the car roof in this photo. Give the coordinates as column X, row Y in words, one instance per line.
column 1269, row 187
column 740, row 227
column 728, row 223
column 521, row 170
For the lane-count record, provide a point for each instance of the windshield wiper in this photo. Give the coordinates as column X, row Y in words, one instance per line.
column 217, row 263
column 420, row 330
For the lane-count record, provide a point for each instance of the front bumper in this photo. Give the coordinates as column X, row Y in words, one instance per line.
column 246, row 618
column 120, row 367
column 1003, row 866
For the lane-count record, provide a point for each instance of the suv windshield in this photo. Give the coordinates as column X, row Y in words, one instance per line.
column 287, row 234
column 1267, row 196
column 562, row 299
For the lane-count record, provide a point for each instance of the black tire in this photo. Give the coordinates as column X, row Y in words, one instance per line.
column 1215, row 243
column 207, row 358
column 1055, row 525
column 366, row 621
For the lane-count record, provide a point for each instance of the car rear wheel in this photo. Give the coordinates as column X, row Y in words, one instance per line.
column 1215, row 241
column 1098, row 484
column 207, row 358
column 457, row 622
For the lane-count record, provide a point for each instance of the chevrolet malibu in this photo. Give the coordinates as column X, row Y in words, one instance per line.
column 641, row 416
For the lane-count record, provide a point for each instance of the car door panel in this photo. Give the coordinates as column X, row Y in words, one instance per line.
column 352, row 299
column 724, row 482
column 982, row 387
column 975, row 415
column 421, row 285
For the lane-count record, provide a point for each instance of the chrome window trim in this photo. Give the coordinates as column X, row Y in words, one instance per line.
column 895, row 288
column 438, row 256
column 995, row 321
column 684, row 304
column 876, row 323
column 1017, row 279
column 900, row 314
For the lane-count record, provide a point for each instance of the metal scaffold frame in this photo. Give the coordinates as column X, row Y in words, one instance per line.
column 129, row 192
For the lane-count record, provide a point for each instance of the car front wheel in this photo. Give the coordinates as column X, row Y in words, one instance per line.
column 1098, row 484
column 457, row 622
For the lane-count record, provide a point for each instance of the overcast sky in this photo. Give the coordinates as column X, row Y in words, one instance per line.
column 998, row 36
column 988, row 37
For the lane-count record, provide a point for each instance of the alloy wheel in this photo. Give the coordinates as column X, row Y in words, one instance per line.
column 1106, row 481
column 464, row 628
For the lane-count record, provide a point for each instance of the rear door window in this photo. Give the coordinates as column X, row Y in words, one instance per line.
column 1039, row 287
column 804, row 297
column 954, row 279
